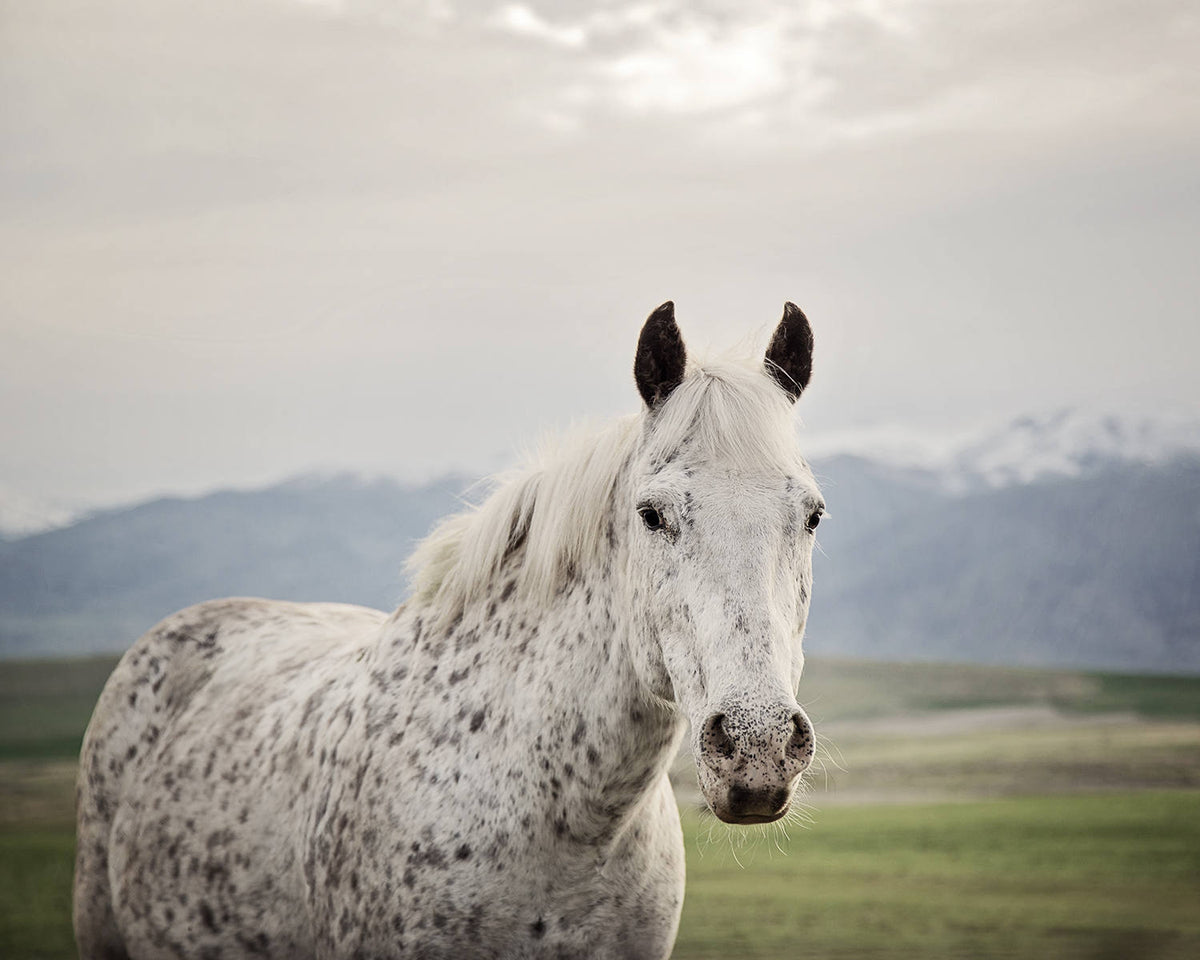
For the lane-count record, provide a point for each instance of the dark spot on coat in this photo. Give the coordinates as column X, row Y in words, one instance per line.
column 256, row 944
column 207, row 917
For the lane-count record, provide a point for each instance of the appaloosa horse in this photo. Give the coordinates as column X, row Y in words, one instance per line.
column 481, row 773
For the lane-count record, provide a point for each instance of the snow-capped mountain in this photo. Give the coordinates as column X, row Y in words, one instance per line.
column 1031, row 448
column 1069, row 443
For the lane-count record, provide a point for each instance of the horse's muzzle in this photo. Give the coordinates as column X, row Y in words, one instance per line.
column 749, row 769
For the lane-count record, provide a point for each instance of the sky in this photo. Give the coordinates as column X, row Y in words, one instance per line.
column 242, row 240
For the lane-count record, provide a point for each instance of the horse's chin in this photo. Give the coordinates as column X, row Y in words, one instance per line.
column 749, row 819
column 742, row 807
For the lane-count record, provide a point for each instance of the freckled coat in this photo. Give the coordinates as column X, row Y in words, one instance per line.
column 336, row 795
column 481, row 774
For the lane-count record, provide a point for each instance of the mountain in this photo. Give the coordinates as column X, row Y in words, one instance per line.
column 1057, row 540
column 1100, row 570
column 99, row 583
column 1064, row 443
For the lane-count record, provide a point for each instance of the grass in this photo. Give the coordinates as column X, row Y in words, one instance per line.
column 45, row 705
column 834, row 690
column 1159, row 697
column 1073, row 876
column 35, row 893
column 1048, row 757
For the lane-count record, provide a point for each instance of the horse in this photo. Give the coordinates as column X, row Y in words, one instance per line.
column 481, row 773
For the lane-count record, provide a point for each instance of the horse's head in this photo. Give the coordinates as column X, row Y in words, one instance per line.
column 720, row 517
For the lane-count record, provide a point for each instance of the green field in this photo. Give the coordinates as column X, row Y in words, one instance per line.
column 1075, row 876
column 835, row 690
column 962, row 812
column 45, row 705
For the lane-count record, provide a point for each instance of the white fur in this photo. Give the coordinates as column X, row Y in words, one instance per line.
column 482, row 773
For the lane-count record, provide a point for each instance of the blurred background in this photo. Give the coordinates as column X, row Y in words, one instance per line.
column 281, row 278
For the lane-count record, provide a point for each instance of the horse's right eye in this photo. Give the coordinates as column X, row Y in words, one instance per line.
column 650, row 517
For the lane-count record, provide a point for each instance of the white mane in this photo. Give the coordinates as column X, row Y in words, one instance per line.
column 557, row 507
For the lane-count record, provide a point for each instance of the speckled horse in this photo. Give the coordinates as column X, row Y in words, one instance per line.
column 482, row 773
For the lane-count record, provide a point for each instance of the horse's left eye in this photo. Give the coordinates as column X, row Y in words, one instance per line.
column 650, row 517
column 814, row 518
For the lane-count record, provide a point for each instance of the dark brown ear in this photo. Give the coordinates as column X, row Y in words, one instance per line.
column 789, row 356
column 661, row 357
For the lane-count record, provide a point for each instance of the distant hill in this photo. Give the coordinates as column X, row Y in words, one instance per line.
column 1055, row 553
column 1099, row 571
column 98, row 584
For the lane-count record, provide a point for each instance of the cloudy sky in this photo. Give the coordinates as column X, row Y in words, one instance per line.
column 246, row 238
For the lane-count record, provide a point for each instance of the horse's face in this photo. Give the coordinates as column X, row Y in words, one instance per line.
column 721, row 544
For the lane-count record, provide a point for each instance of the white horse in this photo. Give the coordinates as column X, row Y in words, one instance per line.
column 483, row 772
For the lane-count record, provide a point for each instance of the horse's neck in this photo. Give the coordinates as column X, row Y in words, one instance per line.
column 593, row 739
column 606, row 741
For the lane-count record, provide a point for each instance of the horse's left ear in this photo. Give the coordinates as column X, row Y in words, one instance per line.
column 789, row 356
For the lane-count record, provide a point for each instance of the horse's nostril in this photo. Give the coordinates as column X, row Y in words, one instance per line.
column 715, row 739
column 803, row 743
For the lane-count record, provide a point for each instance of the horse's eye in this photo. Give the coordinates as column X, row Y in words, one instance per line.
column 650, row 517
column 815, row 517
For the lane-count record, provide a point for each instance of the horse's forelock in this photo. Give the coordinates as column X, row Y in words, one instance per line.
column 728, row 411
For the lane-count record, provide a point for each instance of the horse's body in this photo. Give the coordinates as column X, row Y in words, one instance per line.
column 284, row 762
column 482, row 773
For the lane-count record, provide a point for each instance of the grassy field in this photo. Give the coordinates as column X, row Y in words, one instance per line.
column 45, row 705
column 965, row 812
column 1075, row 876
column 835, row 690
column 35, row 892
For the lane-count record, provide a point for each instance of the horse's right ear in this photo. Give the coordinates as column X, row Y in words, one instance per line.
column 661, row 357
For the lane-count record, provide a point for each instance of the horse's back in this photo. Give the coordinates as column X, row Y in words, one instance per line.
column 191, row 695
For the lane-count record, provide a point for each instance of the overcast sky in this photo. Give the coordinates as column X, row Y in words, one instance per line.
column 246, row 238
